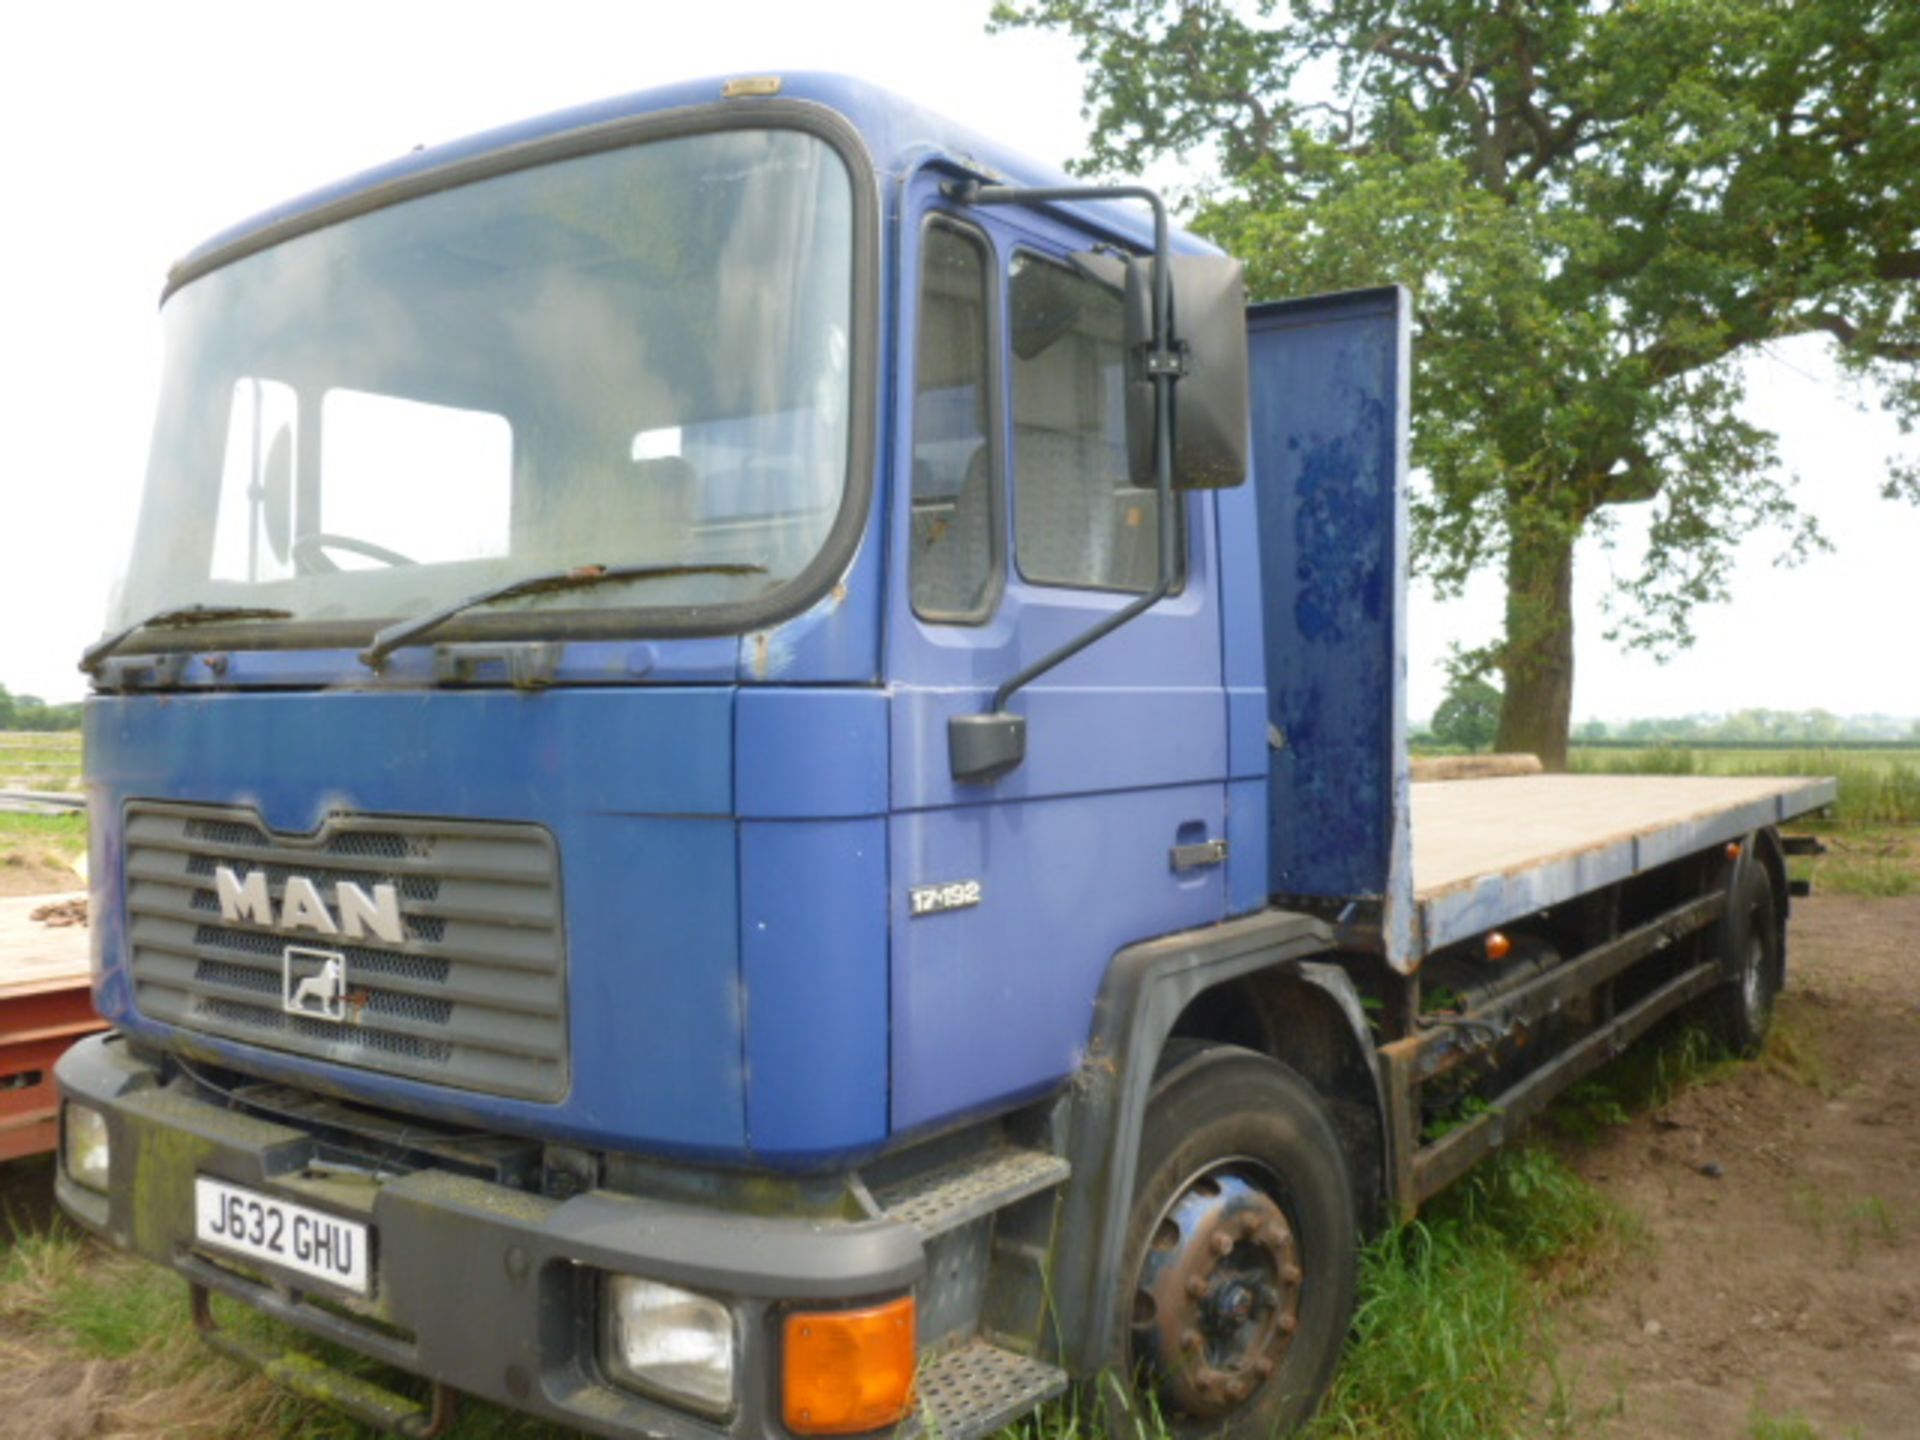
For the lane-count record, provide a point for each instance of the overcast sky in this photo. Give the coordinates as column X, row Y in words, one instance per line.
column 134, row 132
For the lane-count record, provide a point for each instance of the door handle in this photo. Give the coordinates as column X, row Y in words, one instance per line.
column 1198, row 856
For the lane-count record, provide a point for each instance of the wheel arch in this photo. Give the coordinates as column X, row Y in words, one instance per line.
column 1305, row 1013
column 1309, row 1017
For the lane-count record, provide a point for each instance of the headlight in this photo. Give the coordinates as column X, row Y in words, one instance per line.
column 88, row 1151
column 670, row 1343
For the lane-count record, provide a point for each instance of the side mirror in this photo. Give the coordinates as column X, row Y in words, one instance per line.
column 1210, row 399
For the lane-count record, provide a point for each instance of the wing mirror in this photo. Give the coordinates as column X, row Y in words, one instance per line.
column 1210, row 402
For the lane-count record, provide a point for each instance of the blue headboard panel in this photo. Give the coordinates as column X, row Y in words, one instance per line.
column 1330, row 408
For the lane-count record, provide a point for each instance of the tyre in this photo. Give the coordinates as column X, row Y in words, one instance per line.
column 1241, row 1249
column 1741, row 1011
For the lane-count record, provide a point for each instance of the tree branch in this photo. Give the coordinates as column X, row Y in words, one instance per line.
column 1848, row 334
column 1899, row 265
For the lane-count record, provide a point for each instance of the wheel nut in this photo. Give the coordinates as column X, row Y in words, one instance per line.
column 1238, row 1389
column 1290, row 1274
column 1196, row 1287
column 1263, row 1367
column 1222, row 1243
column 1190, row 1340
column 1288, row 1324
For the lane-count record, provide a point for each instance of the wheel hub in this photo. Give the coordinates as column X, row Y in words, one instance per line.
column 1218, row 1295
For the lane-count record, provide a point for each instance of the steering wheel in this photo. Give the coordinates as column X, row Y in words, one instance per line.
column 309, row 552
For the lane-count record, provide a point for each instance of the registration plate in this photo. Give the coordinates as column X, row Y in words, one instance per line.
column 294, row 1237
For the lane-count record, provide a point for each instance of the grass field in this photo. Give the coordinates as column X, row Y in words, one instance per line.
column 1872, row 835
column 38, row 852
column 39, row 760
column 1877, row 787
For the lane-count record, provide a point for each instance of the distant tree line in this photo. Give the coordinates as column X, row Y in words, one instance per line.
column 1754, row 727
column 1468, row 718
column 30, row 712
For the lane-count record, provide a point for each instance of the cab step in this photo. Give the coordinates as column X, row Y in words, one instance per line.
column 975, row 1390
column 970, row 1187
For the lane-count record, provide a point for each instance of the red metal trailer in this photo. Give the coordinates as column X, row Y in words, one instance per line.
column 46, row 1003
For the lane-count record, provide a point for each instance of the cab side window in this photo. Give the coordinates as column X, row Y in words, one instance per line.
column 955, row 564
column 1078, row 517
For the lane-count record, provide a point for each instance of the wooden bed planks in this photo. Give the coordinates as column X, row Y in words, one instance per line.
column 1488, row 851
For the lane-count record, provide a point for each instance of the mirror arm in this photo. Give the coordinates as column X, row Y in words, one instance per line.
column 995, row 741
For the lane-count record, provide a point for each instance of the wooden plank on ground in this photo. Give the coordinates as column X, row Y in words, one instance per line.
column 1471, row 767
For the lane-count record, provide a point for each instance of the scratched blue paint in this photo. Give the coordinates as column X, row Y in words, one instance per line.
column 1329, row 392
column 995, row 1003
column 1126, row 752
column 810, row 752
column 637, row 790
column 1243, row 668
column 813, row 950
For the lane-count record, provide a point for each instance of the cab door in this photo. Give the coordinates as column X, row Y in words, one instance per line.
column 1015, row 528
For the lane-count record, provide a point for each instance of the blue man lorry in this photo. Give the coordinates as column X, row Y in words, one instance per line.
column 750, row 780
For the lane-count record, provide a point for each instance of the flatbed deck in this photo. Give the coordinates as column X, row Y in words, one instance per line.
column 1486, row 852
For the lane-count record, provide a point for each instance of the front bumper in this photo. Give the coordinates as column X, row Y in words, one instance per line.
column 491, row 1290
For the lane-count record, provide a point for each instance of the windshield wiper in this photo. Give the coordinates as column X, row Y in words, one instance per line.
column 406, row 632
column 177, row 618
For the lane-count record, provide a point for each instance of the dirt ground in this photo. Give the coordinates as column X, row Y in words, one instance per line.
column 1780, row 1270
column 36, row 873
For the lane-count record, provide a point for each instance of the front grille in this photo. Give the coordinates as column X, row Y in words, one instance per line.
column 473, row 995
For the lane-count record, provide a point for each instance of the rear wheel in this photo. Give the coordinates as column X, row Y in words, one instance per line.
column 1241, row 1249
column 1742, row 1009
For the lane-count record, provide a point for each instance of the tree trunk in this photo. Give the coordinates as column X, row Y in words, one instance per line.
column 1536, row 660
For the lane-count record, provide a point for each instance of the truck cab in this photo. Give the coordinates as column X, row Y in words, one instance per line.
column 560, row 936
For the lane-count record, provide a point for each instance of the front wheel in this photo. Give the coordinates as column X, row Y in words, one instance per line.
column 1241, row 1249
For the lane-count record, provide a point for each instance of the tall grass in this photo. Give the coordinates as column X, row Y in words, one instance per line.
column 1876, row 787
column 52, row 841
column 1452, row 1338
column 57, row 1286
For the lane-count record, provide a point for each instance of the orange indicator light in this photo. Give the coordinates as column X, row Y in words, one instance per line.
column 849, row 1371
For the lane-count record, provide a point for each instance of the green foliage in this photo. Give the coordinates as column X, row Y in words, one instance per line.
column 1876, row 787
column 1878, row 879
column 108, row 1311
column 1451, row 1337
column 30, row 712
column 1762, row 1426
column 58, row 1284
column 1469, row 715
column 1755, row 727
column 67, row 833
column 1598, row 208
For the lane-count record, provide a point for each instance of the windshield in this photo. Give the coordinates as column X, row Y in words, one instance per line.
column 636, row 357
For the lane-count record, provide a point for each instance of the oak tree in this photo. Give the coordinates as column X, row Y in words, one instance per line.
column 1469, row 716
column 1600, row 208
